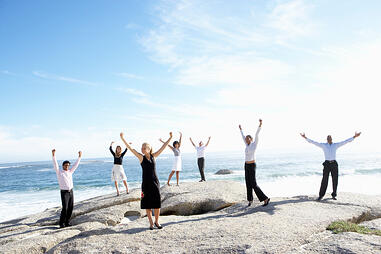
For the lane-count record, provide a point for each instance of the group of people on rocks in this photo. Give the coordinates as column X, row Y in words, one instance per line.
column 150, row 188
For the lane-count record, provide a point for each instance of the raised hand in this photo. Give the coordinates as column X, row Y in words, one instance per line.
column 170, row 134
column 356, row 134
column 54, row 152
column 112, row 143
column 210, row 138
column 180, row 133
column 80, row 154
column 239, row 126
column 161, row 140
column 303, row 135
column 122, row 135
column 260, row 122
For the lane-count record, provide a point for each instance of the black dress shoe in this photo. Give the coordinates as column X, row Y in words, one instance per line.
column 319, row 198
column 62, row 226
column 266, row 202
column 334, row 198
column 250, row 202
column 158, row 226
column 151, row 228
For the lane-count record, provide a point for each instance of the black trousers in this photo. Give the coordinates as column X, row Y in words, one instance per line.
column 251, row 183
column 333, row 168
column 201, row 165
column 67, row 199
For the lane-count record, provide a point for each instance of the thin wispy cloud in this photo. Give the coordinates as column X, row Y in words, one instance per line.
column 128, row 75
column 291, row 18
column 133, row 91
column 6, row 72
column 213, row 47
column 49, row 76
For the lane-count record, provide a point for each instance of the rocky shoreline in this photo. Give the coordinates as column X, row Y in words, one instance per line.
column 207, row 217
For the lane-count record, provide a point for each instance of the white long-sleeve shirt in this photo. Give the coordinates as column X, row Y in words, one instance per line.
column 200, row 151
column 250, row 149
column 65, row 178
column 330, row 149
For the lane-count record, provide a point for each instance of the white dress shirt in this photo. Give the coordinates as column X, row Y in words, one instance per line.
column 330, row 149
column 200, row 151
column 250, row 149
column 65, row 178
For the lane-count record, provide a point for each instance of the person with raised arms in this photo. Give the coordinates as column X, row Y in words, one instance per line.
column 65, row 181
column 177, row 162
column 201, row 157
column 150, row 196
column 330, row 163
column 250, row 166
column 117, row 172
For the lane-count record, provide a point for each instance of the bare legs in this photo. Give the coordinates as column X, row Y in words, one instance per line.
column 117, row 189
column 157, row 214
column 149, row 215
column 125, row 184
column 177, row 177
column 170, row 176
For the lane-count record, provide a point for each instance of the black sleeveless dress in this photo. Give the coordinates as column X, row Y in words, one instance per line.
column 150, row 185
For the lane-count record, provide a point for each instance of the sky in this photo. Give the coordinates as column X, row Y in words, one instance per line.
column 74, row 74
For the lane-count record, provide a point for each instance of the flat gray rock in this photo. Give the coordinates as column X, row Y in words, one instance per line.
column 200, row 197
column 207, row 217
column 372, row 224
column 224, row 172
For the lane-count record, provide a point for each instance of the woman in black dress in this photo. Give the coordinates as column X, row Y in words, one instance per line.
column 150, row 186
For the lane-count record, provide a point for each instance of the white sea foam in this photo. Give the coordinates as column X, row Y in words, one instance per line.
column 45, row 170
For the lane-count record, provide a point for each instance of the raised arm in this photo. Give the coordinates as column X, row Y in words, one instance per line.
column 55, row 163
column 157, row 153
column 207, row 143
column 124, row 152
column 192, row 142
column 311, row 141
column 76, row 164
column 168, row 144
column 138, row 155
column 181, row 136
column 243, row 136
column 112, row 152
column 348, row 140
column 258, row 130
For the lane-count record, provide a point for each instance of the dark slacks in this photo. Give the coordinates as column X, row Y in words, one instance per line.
column 251, row 183
column 67, row 199
column 333, row 168
column 201, row 165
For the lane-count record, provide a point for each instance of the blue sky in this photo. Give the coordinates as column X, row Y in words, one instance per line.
column 74, row 74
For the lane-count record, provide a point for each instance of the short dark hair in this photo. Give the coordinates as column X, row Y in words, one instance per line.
column 176, row 142
column 65, row 162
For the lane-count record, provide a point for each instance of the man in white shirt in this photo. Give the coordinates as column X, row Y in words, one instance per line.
column 65, row 181
column 330, row 163
column 201, row 157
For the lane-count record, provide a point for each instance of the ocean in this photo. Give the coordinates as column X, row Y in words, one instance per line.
column 31, row 187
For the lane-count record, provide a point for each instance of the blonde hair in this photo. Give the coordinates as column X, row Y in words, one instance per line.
column 149, row 146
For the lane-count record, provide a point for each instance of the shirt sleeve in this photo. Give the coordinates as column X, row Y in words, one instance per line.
column 75, row 166
column 344, row 142
column 55, row 164
column 125, row 151
column 243, row 137
column 314, row 143
column 256, row 135
column 112, row 152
